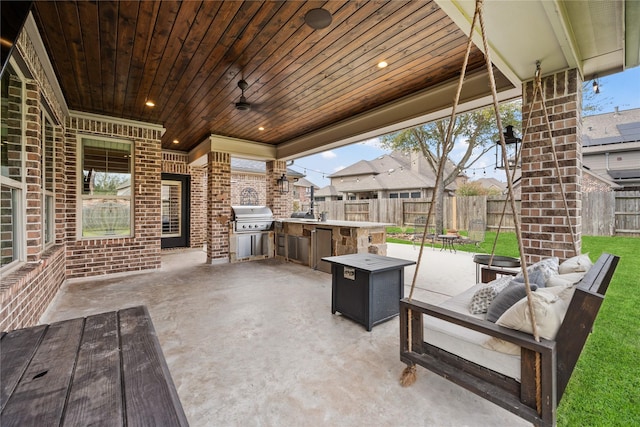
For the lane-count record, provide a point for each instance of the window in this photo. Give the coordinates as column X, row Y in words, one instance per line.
column 415, row 195
column 105, row 187
column 48, row 179
column 12, row 186
column 404, row 195
column 393, row 195
column 171, row 208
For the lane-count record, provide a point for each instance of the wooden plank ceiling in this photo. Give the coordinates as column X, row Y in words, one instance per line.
column 188, row 57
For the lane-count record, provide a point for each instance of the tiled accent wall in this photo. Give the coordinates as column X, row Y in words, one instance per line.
column 91, row 257
column 218, row 206
column 546, row 230
column 280, row 204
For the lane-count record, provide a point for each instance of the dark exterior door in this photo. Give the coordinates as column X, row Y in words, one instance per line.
column 175, row 210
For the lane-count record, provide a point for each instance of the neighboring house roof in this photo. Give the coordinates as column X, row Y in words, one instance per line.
column 328, row 191
column 395, row 171
column 611, row 128
column 611, row 145
column 491, row 183
column 603, row 179
column 303, row 182
column 256, row 166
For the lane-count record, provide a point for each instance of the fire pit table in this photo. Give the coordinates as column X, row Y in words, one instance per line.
column 367, row 288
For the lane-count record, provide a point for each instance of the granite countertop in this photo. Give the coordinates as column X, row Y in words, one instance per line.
column 333, row 223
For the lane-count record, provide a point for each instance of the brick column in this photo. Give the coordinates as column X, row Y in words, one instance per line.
column 546, row 230
column 33, row 172
column 218, row 207
column 280, row 204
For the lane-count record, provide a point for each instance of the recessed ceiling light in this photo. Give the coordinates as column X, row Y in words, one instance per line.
column 261, row 128
column 382, row 64
column 150, row 103
column 175, row 141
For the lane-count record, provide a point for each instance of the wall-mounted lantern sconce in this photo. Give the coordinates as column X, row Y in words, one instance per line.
column 511, row 143
column 283, row 184
column 596, row 86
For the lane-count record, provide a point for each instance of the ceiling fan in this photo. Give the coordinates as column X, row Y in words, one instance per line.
column 242, row 103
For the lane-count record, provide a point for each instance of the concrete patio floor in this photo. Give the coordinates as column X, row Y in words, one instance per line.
column 255, row 344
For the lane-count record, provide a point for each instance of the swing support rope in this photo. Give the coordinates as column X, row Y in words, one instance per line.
column 408, row 375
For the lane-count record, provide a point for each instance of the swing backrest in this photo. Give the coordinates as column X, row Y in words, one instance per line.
column 581, row 315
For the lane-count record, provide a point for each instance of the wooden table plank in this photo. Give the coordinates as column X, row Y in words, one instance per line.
column 40, row 396
column 95, row 397
column 145, row 373
column 17, row 349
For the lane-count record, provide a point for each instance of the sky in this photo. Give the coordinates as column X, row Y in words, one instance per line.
column 617, row 90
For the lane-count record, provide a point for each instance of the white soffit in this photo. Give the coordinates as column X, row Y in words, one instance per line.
column 519, row 34
column 241, row 148
column 598, row 28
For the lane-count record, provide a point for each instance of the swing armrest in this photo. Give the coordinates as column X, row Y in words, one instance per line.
column 518, row 338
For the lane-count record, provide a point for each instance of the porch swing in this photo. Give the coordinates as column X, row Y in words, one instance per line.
column 533, row 389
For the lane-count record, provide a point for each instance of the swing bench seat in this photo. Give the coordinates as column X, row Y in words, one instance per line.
column 516, row 393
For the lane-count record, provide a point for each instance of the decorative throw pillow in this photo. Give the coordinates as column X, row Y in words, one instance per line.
column 565, row 280
column 538, row 277
column 540, row 272
column 480, row 301
column 563, row 294
column 505, row 299
column 549, row 312
column 580, row 263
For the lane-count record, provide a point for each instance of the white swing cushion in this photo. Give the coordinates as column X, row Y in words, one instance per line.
column 467, row 343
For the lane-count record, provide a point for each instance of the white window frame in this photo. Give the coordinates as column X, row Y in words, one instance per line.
column 81, row 197
column 20, row 237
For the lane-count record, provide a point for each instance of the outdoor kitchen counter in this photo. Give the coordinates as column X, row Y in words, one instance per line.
column 307, row 241
column 332, row 223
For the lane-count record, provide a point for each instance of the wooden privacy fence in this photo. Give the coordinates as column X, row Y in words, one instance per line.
column 603, row 214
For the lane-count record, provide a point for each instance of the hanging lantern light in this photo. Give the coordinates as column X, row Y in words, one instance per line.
column 283, row 184
column 511, row 144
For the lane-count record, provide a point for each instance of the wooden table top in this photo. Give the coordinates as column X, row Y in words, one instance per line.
column 105, row 369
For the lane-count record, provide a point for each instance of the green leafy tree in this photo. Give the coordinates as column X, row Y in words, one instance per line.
column 474, row 188
column 477, row 129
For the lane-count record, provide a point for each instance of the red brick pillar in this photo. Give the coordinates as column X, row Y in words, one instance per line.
column 280, row 204
column 33, row 171
column 218, row 207
column 546, row 230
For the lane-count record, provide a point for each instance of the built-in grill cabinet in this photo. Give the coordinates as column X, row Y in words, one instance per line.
column 251, row 236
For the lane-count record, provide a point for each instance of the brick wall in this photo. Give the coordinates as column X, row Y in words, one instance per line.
column 546, row 230
column 26, row 293
column 248, row 189
column 218, row 206
column 280, row 204
column 198, row 206
column 91, row 257
column 178, row 163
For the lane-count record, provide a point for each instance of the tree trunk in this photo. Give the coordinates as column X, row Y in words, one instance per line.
column 439, row 208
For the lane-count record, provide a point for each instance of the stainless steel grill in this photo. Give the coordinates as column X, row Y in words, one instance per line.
column 249, row 219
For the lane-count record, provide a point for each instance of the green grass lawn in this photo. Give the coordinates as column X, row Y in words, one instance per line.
column 605, row 386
